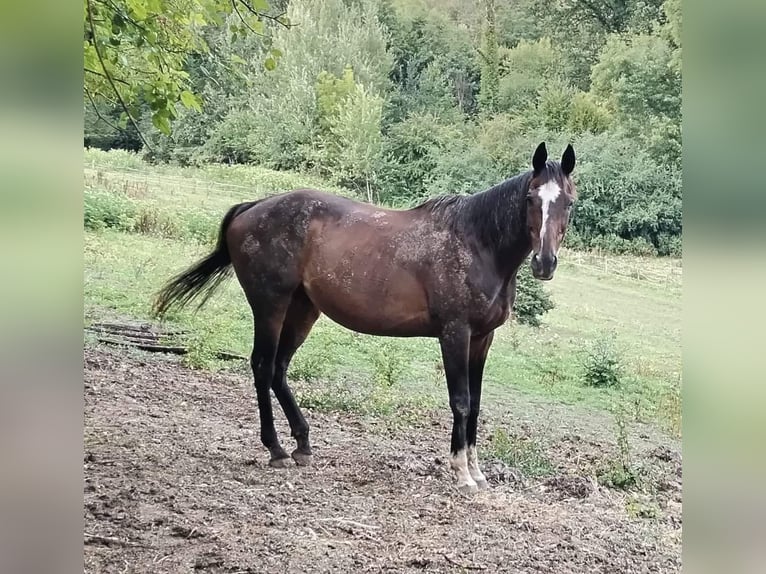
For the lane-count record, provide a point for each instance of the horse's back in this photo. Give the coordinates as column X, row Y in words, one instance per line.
column 351, row 258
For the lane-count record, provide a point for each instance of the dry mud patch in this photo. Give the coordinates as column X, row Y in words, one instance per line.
column 176, row 481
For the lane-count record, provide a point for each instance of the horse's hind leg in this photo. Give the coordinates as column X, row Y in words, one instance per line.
column 268, row 327
column 301, row 316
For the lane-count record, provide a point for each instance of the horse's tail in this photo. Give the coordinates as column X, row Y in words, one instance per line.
column 204, row 277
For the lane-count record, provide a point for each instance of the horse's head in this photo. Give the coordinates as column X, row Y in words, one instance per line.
column 549, row 201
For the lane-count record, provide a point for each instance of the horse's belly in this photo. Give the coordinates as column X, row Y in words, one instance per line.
column 395, row 307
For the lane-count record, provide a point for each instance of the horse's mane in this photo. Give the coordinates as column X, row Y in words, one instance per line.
column 496, row 215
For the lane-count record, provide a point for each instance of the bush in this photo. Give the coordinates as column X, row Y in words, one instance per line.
column 108, row 211
column 602, row 365
column 104, row 210
column 624, row 193
column 532, row 301
column 411, row 150
column 587, row 115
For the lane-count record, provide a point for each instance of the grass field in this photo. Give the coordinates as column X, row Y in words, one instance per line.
column 146, row 223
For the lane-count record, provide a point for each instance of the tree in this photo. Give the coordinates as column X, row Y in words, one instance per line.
column 490, row 65
column 277, row 117
column 135, row 51
column 639, row 76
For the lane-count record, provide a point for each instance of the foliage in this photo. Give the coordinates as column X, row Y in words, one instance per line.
column 310, row 364
column 350, row 148
column 411, row 150
column 532, row 300
column 527, row 67
column 135, row 50
column 602, row 365
column 490, row 63
column 398, row 101
column 587, row 114
column 280, row 118
column 388, row 363
column 636, row 77
column 624, row 193
column 107, row 211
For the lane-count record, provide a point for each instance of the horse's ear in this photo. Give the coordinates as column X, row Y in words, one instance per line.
column 540, row 157
column 568, row 160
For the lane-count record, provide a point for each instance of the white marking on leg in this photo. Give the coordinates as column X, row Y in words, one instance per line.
column 459, row 464
column 548, row 193
column 473, row 465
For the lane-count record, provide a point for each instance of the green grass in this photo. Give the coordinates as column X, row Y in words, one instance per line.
column 125, row 264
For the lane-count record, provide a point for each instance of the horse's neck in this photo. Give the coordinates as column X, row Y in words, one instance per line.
column 497, row 219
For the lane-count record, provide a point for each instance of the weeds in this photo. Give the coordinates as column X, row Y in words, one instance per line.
column 522, row 453
column 364, row 398
column 106, row 210
column 618, row 471
column 602, row 365
column 309, row 364
column 388, row 363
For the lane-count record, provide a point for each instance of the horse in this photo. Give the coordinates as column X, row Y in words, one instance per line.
column 444, row 269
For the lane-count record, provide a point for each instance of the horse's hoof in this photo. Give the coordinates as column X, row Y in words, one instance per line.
column 471, row 488
column 482, row 484
column 283, row 462
column 302, row 458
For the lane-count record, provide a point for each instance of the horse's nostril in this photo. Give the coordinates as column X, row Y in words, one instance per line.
column 555, row 260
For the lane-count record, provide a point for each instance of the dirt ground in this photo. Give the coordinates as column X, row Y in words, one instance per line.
column 176, row 481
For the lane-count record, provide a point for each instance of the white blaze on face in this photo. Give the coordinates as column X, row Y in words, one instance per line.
column 548, row 193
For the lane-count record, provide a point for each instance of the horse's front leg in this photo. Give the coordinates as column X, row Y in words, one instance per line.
column 476, row 359
column 454, row 344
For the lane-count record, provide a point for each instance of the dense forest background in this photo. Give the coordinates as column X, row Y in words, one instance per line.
column 399, row 100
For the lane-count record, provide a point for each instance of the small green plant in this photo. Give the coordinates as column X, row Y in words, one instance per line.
column 522, row 453
column 334, row 396
column 602, row 364
column 619, row 471
column 151, row 221
column 551, row 371
column 388, row 363
column 201, row 353
column 532, row 300
column 639, row 507
column 309, row 364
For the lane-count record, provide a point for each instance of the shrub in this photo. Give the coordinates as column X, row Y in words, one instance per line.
column 602, row 365
column 411, row 151
column 103, row 210
column 588, row 115
column 532, row 300
column 623, row 192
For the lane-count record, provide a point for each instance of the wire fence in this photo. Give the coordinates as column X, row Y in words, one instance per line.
column 660, row 271
column 134, row 181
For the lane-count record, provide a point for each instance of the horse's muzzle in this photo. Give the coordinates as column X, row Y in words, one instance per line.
column 543, row 267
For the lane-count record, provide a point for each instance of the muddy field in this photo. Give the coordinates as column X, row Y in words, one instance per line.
column 176, row 481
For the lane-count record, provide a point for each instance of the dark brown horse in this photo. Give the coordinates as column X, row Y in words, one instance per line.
column 445, row 269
